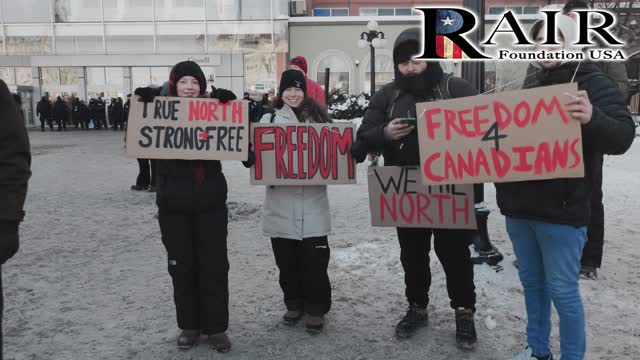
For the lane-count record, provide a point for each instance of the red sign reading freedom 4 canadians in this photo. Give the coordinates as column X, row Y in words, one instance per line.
column 511, row 136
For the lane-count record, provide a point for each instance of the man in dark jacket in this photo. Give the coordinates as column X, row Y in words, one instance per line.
column 546, row 219
column 44, row 110
column 15, row 163
column 415, row 82
column 99, row 115
column 125, row 111
column 75, row 112
column 60, row 113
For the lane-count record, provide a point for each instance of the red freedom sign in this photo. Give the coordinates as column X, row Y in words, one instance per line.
column 303, row 154
column 511, row 136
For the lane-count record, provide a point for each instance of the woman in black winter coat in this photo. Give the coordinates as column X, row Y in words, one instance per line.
column 192, row 212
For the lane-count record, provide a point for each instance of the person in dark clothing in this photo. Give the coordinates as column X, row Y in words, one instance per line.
column 265, row 106
column 193, row 216
column 99, row 115
column 119, row 114
column 125, row 111
column 418, row 81
column 111, row 113
column 75, row 113
column 253, row 108
column 44, row 111
column 15, row 171
column 60, row 113
column 546, row 220
column 83, row 115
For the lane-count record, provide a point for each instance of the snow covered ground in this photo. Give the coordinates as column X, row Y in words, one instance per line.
column 90, row 279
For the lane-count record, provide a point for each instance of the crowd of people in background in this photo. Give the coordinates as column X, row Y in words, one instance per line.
column 75, row 112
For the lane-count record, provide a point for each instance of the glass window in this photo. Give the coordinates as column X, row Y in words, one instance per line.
column 160, row 74
column 50, row 76
column 281, row 38
column 140, row 76
column 531, row 10
column 280, row 9
column 95, row 76
column 255, row 10
column 260, row 72
column 403, row 11
column 26, row 11
column 180, row 38
column 129, row 38
column 7, row 74
column 78, row 10
column 384, row 72
column 242, row 35
column 114, row 77
column 515, row 9
column 339, row 12
column 29, row 39
column 24, row 76
column 339, row 76
column 386, row 12
column 223, row 9
column 130, row 10
column 210, row 74
column 179, row 10
column 79, row 39
column 368, row 11
column 70, row 75
column 496, row 10
column 321, row 12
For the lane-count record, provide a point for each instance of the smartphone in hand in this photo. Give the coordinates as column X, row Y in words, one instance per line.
column 407, row 121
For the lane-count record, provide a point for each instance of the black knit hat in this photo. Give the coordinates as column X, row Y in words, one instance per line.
column 292, row 78
column 187, row 68
column 405, row 51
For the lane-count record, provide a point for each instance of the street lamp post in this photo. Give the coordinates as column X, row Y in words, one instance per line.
column 374, row 39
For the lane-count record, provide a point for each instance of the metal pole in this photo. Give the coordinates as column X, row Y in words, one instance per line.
column 327, row 73
column 474, row 73
column 373, row 69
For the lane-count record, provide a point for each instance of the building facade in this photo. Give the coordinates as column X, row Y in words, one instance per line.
column 91, row 48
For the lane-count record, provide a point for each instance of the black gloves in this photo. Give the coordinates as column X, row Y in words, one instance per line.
column 221, row 94
column 147, row 93
column 251, row 160
column 358, row 152
column 9, row 242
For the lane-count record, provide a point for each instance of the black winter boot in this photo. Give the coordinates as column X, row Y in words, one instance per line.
column 414, row 319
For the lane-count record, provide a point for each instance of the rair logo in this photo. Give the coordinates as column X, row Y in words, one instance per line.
column 442, row 26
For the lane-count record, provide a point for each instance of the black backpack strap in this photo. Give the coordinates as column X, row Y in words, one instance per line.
column 273, row 118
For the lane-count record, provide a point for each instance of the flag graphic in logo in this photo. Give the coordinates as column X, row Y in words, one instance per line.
column 448, row 21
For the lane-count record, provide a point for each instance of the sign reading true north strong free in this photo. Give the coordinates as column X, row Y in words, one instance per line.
column 397, row 198
column 188, row 129
column 511, row 136
column 303, row 154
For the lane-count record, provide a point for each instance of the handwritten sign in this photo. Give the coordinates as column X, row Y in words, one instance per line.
column 511, row 136
column 397, row 198
column 303, row 154
column 188, row 128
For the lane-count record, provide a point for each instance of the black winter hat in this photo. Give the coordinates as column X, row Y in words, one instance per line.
column 405, row 51
column 187, row 68
column 292, row 78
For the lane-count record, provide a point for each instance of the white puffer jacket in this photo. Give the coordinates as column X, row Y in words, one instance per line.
column 295, row 212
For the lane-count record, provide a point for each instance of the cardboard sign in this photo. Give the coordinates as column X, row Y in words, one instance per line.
column 303, row 154
column 188, row 128
column 511, row 136
column 397, row 198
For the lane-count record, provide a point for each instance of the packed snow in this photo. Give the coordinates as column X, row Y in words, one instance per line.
column 90, row 280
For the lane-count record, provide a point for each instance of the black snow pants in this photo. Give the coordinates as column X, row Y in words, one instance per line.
column 193, row 223
column 452, row 249
column 303, row 273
